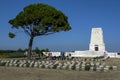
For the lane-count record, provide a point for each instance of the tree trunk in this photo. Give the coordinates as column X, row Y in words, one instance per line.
column 30, row 47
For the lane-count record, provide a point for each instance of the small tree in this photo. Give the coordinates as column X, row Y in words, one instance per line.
column 20, row 50
column 37, row 50
column 38, row 20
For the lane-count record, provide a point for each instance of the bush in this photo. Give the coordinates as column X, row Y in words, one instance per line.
column 110, row 68
column 87, row 67
column 43, row 66
column 27, row 64
column 55, row 66
column 4, row 56
column 2, row 64
column 73, row 67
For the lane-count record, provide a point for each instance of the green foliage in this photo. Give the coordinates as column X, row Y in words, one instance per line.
column 55, row 66
column 11, row 54
column 20, row 50
column 2, row 64
column 37, row 50
column 7, row 51
column 99, row 57
column 87, row 67
column 4, row 56
column 41, row 19
column 27, row 64
column 111, row 68
column 43, row 66
column 11, row 35
column 73, row 67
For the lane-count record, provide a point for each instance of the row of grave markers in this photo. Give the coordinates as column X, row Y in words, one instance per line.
column 65, row 65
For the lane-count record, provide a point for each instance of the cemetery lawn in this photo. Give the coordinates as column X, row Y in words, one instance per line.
column 16, row 73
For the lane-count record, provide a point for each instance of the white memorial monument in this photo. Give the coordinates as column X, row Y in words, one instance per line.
column 97, row 40
column 96, row 47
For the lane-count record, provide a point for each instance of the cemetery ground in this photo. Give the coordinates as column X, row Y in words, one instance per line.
column 35, row 73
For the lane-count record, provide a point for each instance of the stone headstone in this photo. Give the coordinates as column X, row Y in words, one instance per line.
column 114, row 67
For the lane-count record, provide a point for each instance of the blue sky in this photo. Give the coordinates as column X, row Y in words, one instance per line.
column 83, row 15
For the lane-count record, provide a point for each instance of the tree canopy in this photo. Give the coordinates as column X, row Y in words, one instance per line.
column 39, row 19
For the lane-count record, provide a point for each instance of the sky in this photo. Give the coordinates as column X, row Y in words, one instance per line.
column 83, row 15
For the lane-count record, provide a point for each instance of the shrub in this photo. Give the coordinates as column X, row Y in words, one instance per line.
column 87, row 67
column 43, row 66
column 3, row 64
column 27, row 64
column 73, row 67
column 110, row 68
column 55, row 66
